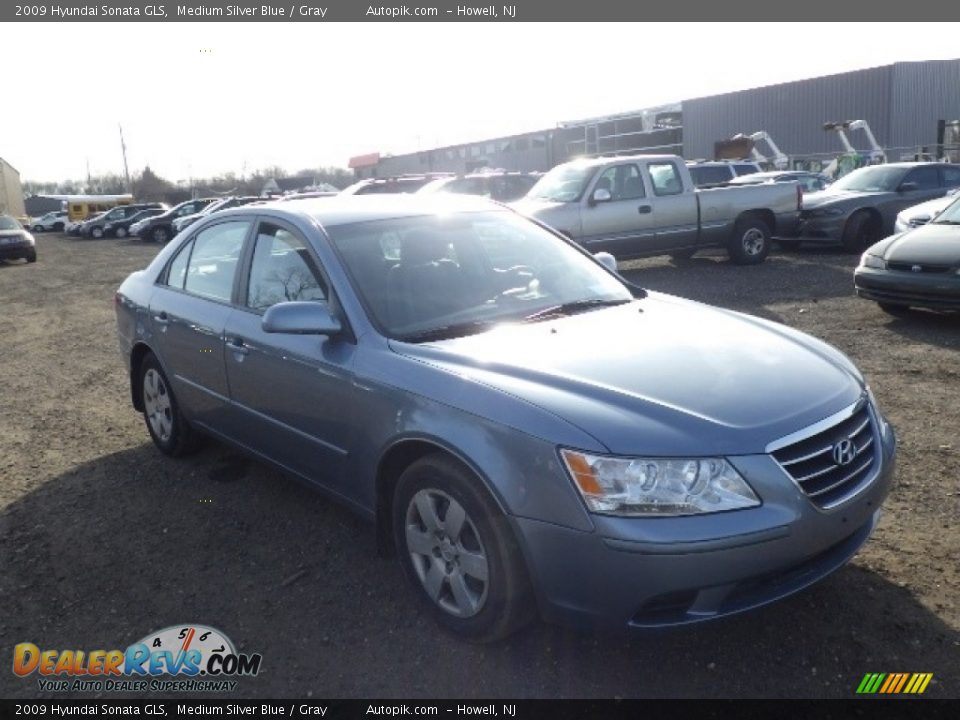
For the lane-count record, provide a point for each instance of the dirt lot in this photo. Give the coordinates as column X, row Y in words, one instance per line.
column 102, row 539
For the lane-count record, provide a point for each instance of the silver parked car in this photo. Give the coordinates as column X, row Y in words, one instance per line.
column 530, row 432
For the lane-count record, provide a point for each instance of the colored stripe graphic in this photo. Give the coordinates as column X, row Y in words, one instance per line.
column 894, row 683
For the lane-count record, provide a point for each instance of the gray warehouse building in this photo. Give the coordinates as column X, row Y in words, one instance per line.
column 912, row 108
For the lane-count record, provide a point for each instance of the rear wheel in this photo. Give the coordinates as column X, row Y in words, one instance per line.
column 160, row 234
column 750, row 242
column 170, row 432
column 96, row 232
column 38, row 228
column 121, row 232
column 861, row 231
column 458, row 550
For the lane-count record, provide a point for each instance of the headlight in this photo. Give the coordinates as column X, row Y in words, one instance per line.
column 826, row 212
column 873, row 261
column 657, row 486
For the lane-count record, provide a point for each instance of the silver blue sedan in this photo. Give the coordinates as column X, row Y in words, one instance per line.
column 528, row 432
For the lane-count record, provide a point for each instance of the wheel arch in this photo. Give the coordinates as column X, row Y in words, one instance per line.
column 396, row 458
column 139, row 351
column 764, row 214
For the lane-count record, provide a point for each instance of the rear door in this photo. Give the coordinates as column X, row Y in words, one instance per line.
column 675, row 206
column 188, row 315
column 625, row 225
column 293, row 394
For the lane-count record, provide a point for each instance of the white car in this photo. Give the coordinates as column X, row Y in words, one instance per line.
column 56, row 220
column 923, row 213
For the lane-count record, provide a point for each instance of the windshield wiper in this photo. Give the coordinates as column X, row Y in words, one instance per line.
column 946, row 222
column 572, row 307
column 445, row 332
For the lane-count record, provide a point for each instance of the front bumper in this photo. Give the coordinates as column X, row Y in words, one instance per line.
column 939, row 291
column 17, row 251
column 826, row 229
column 677, row 571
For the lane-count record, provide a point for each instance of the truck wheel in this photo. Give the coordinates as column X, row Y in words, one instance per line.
column 750, row 243
column 860, row 232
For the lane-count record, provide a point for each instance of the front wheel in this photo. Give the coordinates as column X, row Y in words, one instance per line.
column 160, row 235
column 170, row 432
column 38, row 228
column 750, row 242
column 860, row 232
column 458, row 550
column 32, row 257
column 121, row 232
column 96, row 233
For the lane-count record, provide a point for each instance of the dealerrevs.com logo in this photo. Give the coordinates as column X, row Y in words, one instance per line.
column 200, row 657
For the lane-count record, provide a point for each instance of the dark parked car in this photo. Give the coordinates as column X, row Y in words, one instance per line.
column 500, row 186
column 528, row 430
column 185, row 221
column 706, row 173
column 15, row 241
column 860, row 208
column 96, row 226
column 917, row 268
column 121, row 228
column 159, row 228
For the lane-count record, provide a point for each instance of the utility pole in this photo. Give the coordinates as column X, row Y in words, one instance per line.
column 123, row 148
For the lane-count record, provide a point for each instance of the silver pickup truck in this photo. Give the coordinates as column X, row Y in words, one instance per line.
column 645, row 205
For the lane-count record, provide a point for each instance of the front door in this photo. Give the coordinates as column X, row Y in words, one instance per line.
column 624, row 224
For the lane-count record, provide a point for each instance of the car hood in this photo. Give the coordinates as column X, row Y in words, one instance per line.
column 559, row 215
column 828, row 197
column 930, row 244
column 660, row 375
column 12, row 233
column 927, row 209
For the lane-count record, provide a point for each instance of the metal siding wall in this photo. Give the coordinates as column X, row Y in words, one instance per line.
column 923, row 93
column 793, row 113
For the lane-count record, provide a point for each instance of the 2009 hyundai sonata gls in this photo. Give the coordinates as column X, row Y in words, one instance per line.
column 530, row 432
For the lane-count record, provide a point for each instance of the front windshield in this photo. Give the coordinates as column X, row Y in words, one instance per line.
column 8, row 223
column 440, row 276
column 871, row 179
column 950, row 216
column 564, row 183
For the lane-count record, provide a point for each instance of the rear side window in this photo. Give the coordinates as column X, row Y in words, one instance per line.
column 745, row 169
column 710, row 174
column 926, row 178
column 665, row 178
column 207, row 265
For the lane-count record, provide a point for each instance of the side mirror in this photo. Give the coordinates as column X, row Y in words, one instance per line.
column 301, row 318
column 607, row 260
column 908, row 187
column 600, row 195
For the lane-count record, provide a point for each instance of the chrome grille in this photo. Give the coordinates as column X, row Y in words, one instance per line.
column 810, row 461
column 909, row 267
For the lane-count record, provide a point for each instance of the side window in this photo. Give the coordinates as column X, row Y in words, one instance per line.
column 177, row 270
column 926, row 178
column 951, row 176
column 665, row 178
column 623, row 182
column 282, row 270
column 213, row 262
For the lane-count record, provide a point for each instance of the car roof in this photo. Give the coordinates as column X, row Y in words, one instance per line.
column 347, row 209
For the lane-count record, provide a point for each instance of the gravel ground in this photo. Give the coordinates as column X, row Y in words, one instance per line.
column 102, row 539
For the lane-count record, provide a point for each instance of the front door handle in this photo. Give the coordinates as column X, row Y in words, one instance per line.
column 161, row 319
column 236, row 345
column 645, row 209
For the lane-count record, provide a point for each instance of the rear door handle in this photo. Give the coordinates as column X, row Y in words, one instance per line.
column 645, row 209
column 237, row 345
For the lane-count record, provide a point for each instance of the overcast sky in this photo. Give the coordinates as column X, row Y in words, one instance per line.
column 204, row 98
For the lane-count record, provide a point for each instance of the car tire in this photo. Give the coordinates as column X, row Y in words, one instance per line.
column 789, row 245
column 895, row 310
column 96, row 232
column 750, row 242
column 860, row 232
column 121, row 232
column 38, row 228
column 160, row 234
column 32, row 257
column 168, row 429
column 442, row 515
